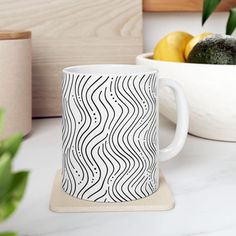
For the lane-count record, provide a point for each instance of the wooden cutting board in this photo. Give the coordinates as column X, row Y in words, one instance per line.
column 73, row 32
column 182, row 5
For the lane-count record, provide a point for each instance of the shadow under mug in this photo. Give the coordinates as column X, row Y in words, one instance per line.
column 110, row 131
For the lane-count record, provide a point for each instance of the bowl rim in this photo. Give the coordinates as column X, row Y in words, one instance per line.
column 147, row 55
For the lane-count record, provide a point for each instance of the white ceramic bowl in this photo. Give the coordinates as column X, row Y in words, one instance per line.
column 211, row 95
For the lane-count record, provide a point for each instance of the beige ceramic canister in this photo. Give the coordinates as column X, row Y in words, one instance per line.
column 16, row 82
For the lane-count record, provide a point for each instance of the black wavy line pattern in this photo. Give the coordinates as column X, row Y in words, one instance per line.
column 109, row 136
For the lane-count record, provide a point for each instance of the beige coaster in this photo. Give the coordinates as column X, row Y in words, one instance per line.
column 60, row 201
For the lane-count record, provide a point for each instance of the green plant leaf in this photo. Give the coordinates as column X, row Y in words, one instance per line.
column 5, row 174
column 231, row 23
column 12, row 198
column 11, row 144
column 8, row 234
column 208, row 7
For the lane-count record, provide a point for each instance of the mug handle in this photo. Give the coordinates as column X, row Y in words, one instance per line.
column 182, row 121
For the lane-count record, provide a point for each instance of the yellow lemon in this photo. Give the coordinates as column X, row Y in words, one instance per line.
column 172, row 47
column 194, row 41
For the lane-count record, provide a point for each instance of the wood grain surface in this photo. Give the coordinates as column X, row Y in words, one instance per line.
column 73, row 32
column 6, row 35
column 182, row 5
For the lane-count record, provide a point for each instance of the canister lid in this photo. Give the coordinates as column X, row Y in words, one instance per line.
column 8, row 35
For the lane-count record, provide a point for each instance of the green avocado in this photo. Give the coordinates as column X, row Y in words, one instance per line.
column 216, row 49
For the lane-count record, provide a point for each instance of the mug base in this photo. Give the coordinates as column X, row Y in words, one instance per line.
column 61, row 201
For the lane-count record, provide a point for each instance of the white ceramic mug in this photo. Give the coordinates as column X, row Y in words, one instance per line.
column 110, row 131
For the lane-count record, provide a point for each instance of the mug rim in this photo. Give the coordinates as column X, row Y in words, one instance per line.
column 128, row 69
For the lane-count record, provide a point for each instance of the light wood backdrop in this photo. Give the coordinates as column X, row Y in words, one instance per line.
column 72, row 32
column 182, row 5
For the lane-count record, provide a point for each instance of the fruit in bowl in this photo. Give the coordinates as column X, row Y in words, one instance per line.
column 216, row 49
column 209, row 88
column 172, row 47
column 206, row 48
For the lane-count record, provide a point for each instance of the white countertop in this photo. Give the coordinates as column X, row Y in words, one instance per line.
column 202, row 178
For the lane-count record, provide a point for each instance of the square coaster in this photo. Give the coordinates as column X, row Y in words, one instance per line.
column 60, row 201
